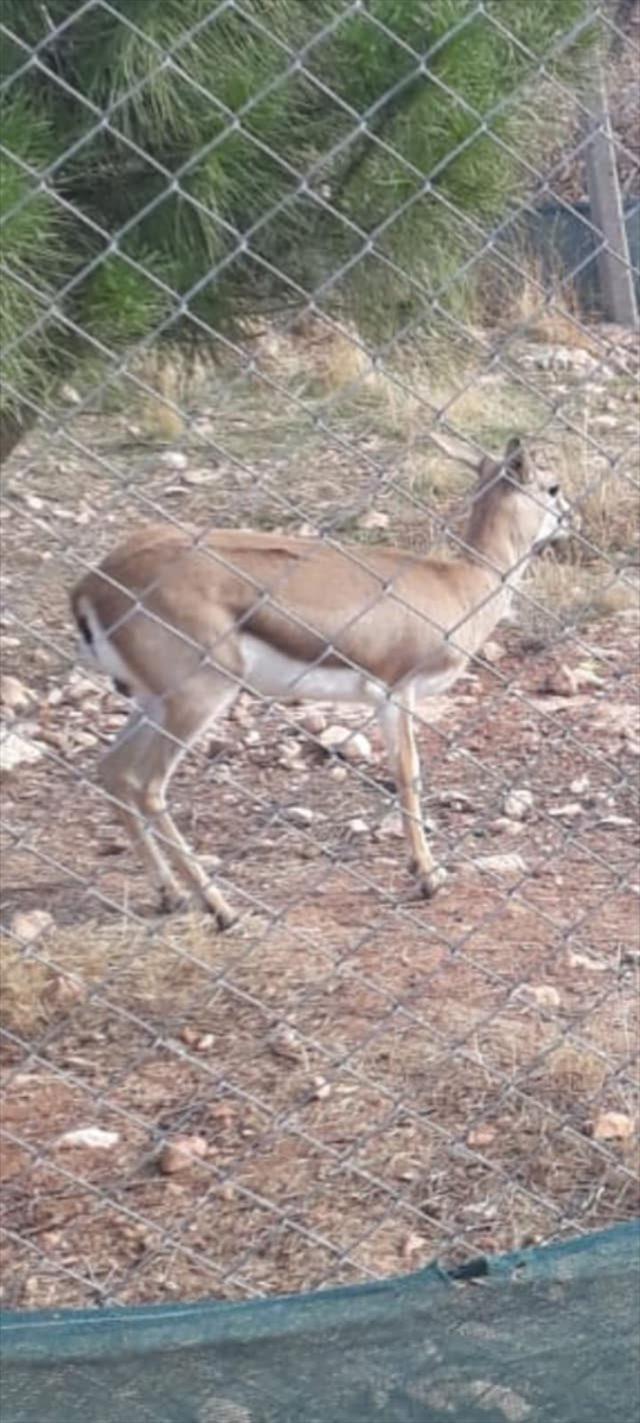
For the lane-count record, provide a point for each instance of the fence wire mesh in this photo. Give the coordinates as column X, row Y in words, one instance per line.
column 353, row 1079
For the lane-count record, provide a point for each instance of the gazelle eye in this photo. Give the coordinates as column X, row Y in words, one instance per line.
column 553, row 490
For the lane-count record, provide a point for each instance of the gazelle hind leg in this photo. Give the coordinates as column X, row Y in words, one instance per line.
column 397, row 726
column 185, row 715
column 138, row 770
column 119, row 774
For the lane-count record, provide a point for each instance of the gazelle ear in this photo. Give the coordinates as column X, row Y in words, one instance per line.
column 517, row 461
column 488, row 469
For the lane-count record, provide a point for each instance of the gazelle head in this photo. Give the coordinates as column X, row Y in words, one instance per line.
column 527, row 499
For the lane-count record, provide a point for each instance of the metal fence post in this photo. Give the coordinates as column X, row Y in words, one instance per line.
column 607, row 211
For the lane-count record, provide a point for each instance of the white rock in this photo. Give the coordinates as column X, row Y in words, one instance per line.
column 358, row 826
column 564, row 358
column 286, row 1043
column 390, row 827
column 612, row 1126
column 543, row 994
column 352, row 745
column 14, row 696
column 568, row 811
column 518, row 804
column 580, row 786
column 358, row 747
column 174, row 459
column 314, row 721
column 334, row 737
column 67, row 515
column 288, row 750
column 300, row 814
column 28, row 925
column 588, row 677
column 457, row 800
column 198, row 476
column 69, row 394
column 504, row 826
column 321, row 1090
column 501, row 864
column 84, row 738
column 493, row 652
column 79, row 687
column 592, row 965
column 181, row 1153
column 293, row 764
column 17, row 750
column 94, row 1138
column 375, row 519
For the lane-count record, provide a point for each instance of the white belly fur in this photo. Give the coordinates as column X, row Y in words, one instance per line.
column 273, row 674
column 432, row 685
column 102, row 653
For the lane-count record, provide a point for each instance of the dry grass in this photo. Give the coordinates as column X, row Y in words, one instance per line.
column 38, row 986
column 553, row 318
column 609, row 512
column 543, row 307
column 576, row 594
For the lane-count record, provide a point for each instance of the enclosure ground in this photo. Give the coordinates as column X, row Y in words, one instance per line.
column 373, row 1080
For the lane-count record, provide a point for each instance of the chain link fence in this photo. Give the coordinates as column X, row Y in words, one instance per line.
column 353, row 1080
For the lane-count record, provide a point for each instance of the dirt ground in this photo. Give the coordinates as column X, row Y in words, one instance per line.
column 366, row 1080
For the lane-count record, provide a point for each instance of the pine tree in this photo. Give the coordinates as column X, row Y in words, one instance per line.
column 170, row 167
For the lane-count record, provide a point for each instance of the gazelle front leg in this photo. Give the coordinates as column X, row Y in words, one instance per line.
column 397, row 726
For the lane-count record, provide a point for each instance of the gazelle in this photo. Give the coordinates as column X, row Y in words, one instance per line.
column 182, row 623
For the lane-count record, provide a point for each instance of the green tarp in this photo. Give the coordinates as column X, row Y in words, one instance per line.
column 549, row 1335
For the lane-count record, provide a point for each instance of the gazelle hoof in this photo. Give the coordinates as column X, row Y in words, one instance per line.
column 218, row 907
column 432, row 882
column 225, row 918
column 171, row 900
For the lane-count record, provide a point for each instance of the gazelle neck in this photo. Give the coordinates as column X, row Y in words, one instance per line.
column 490, row 540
